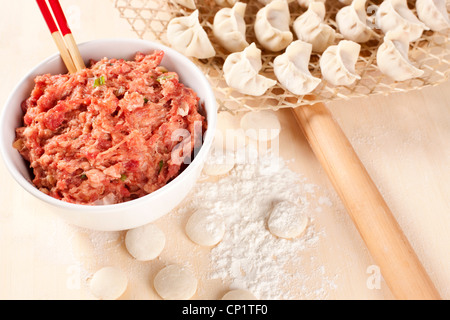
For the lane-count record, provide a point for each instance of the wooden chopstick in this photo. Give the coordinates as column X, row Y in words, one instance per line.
column 62, row 36
column 57, row 38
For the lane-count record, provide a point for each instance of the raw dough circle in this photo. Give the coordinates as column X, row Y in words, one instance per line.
column 218, row 165
column 175, row 283
column 205, row 228
column 108, row 283
column 229, row 135
column 146, row 242
column 218, row 169
column 261, row 125
column 287, row 220
column 239, row 294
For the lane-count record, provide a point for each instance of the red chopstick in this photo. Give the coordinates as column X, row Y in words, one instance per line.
column 67, row 34
column 59, row 41
column 47, row 16
column 63, row 36
column 60, row 17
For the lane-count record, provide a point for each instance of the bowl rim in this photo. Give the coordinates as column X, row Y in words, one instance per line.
column 207, row 137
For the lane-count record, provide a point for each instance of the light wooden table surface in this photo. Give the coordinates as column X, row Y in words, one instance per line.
column 403, row 140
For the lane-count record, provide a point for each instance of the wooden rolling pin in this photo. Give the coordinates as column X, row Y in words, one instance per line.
column 399, row 265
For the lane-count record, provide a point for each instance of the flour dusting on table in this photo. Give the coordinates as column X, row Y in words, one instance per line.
column 249, row 256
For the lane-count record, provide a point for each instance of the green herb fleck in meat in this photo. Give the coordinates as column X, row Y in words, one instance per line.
column 83, row 176
column 161, row 165
column 145, row 100
column 99, row 81
column 165, row 77
column 123, row 177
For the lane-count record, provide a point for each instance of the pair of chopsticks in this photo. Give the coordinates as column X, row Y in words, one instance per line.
column 62, row 35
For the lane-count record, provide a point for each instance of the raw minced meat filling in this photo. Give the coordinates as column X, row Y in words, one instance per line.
column 107, row 134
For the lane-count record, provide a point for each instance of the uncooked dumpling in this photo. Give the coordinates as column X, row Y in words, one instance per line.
column 287, row 220
column 310, row 27
column 433, row 13
column 108, row 283
column 239, row 294
column 241, row 72
column 261, row 125
column 394, row 15
column 272, row 26
column 205, row 228
column 352, row 22
column 146, row 242
column 229, row 27
column 291, row 68
column 175, row 282
column 187, row 36
column 392, row 57
column 338, row 63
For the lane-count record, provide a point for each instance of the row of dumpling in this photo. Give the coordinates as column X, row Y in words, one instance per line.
column 337, row 62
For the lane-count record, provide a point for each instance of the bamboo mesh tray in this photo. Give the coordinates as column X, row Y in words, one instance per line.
column 431, row 53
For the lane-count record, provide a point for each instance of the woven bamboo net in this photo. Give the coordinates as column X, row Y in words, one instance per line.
column 431, row 53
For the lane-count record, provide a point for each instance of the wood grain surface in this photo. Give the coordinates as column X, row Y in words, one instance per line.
column 403, row 140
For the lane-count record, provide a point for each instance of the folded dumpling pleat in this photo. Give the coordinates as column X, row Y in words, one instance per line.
column 229, row 27
column 352, row 22
column 433, row 13
column 186, row 35
column 272, row 26
column 310, row 27
column 394, row 15
column 241, row 72
column 392, row 57
column 291, row 68
column 338, row 63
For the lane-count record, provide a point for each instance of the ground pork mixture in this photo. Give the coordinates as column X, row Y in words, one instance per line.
column 108, row 133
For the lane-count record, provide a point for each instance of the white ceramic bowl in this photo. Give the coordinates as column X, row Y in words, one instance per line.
column 129, row 214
